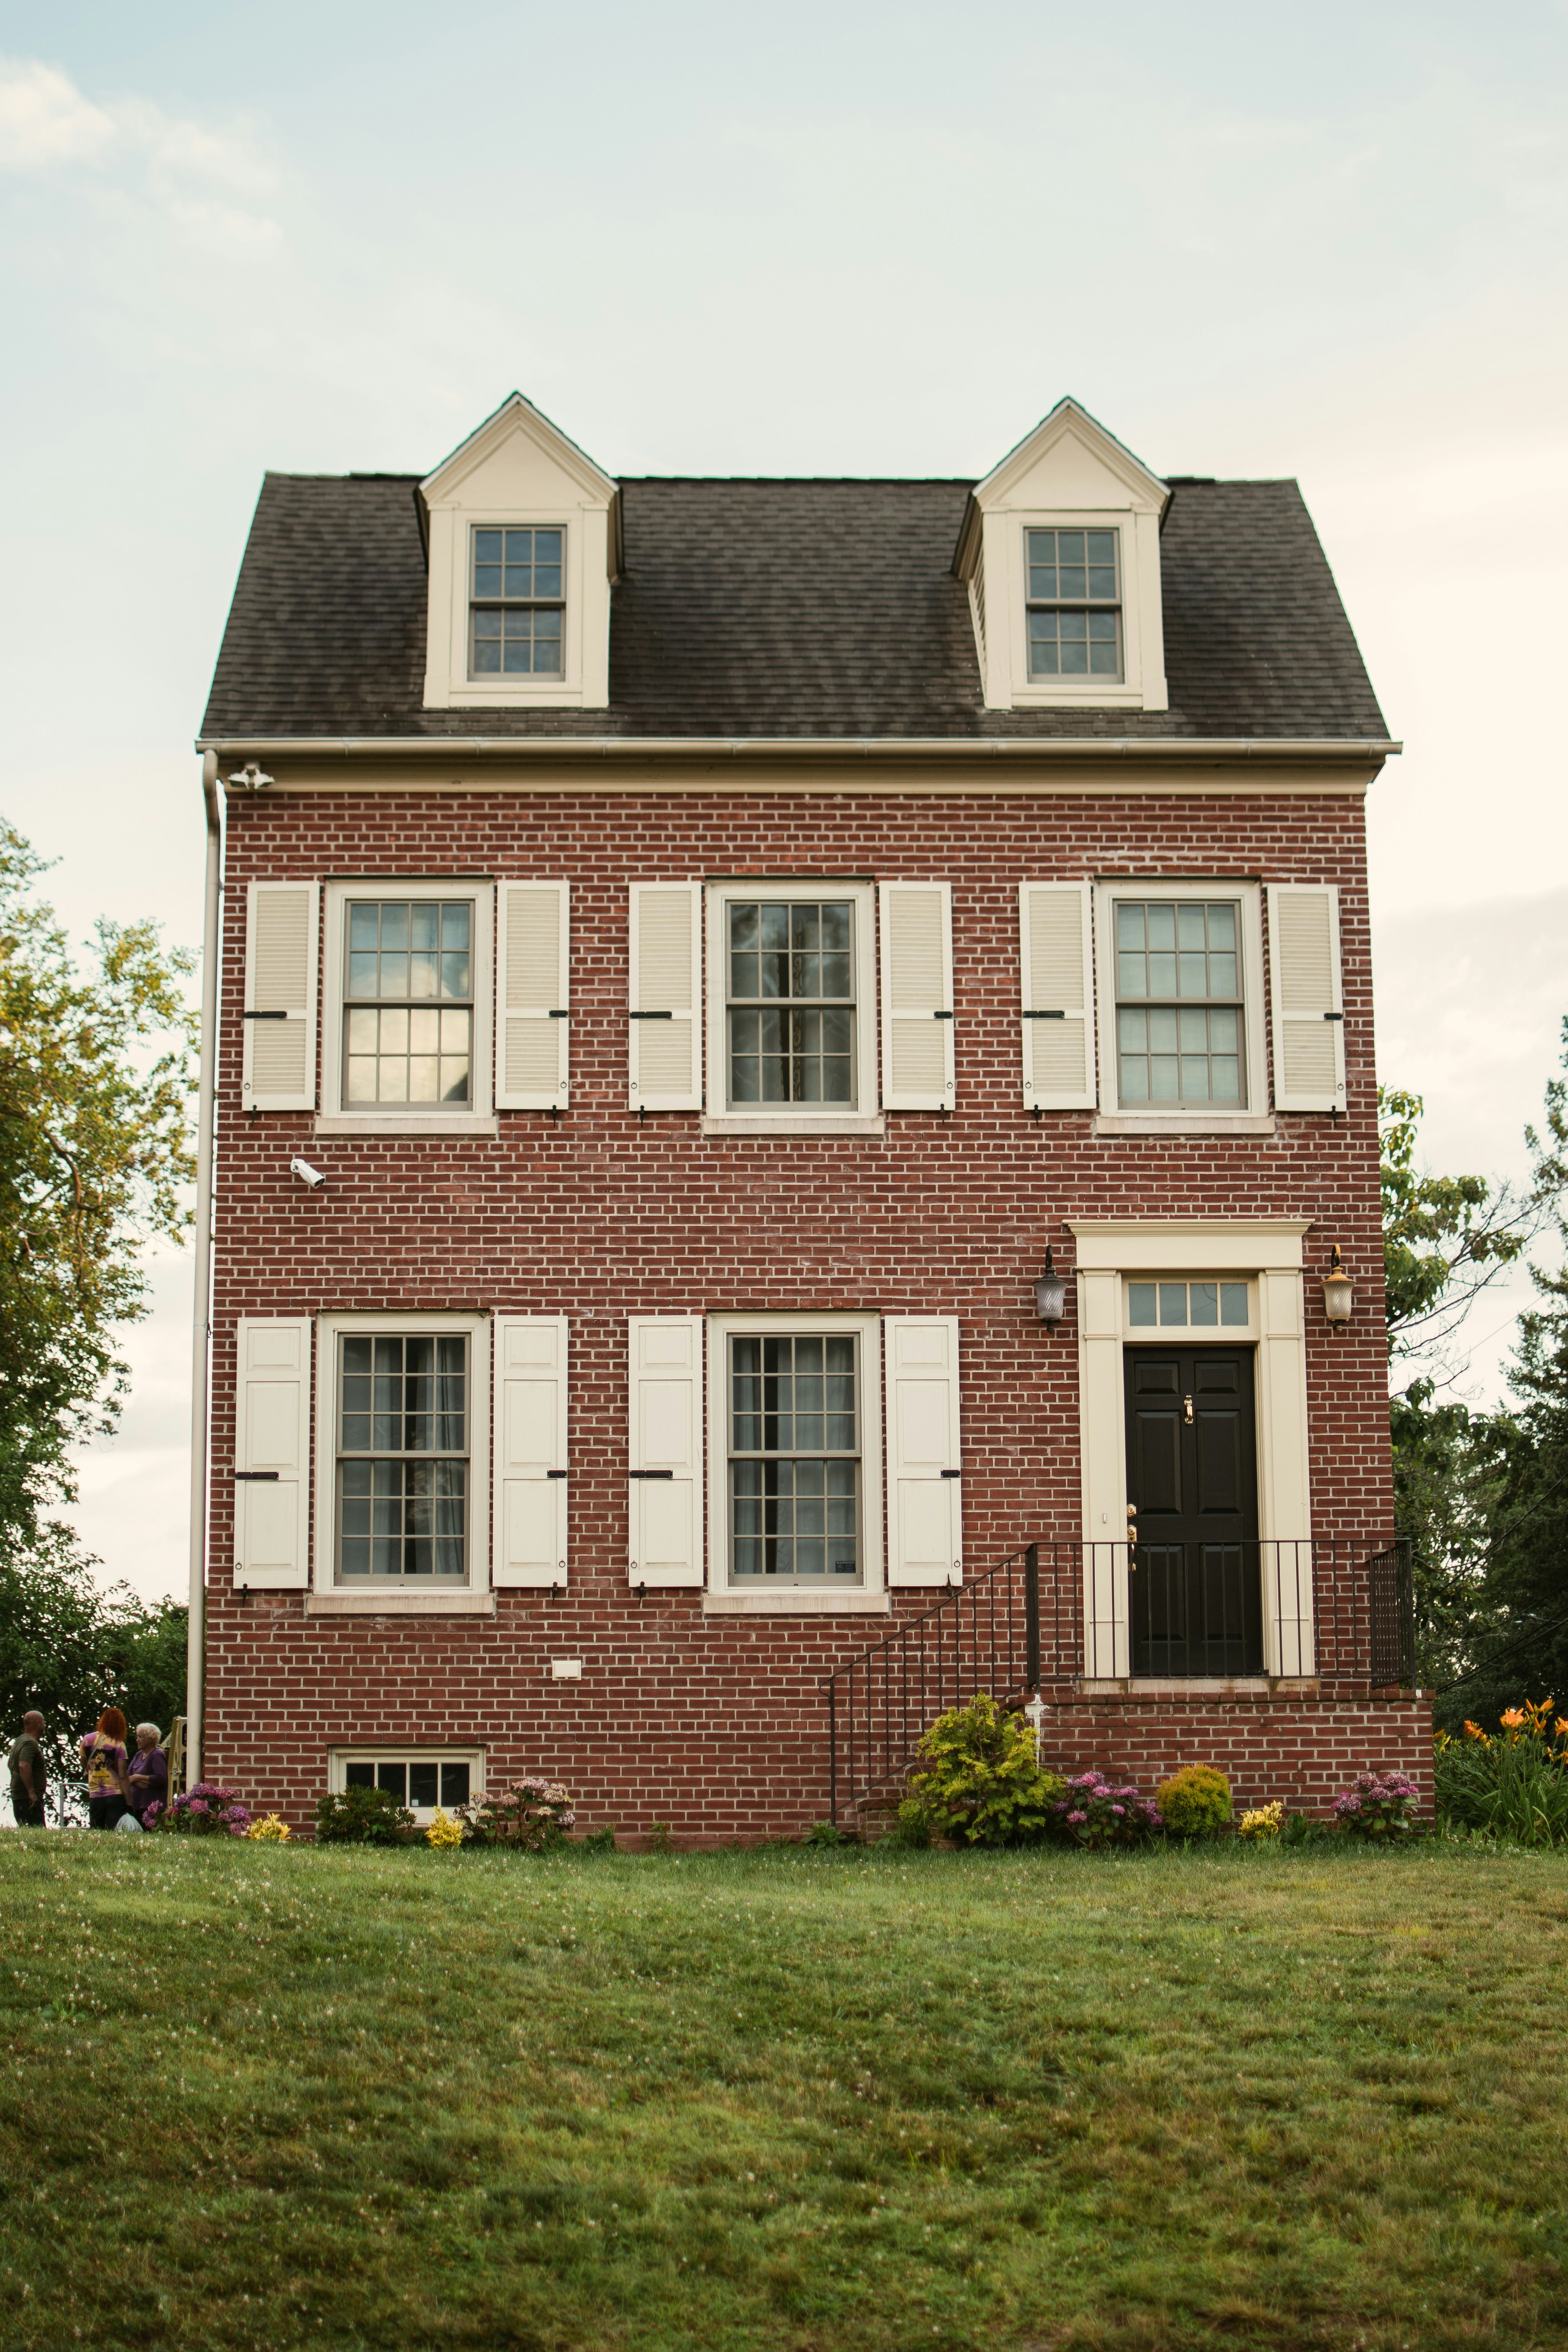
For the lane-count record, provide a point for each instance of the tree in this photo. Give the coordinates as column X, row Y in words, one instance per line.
column 96, row 1081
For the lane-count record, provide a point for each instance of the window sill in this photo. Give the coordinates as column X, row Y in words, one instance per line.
column 852, row 1123
column 796, row 1603
column 1202, row 1686
column 400, row 1604
column 404, row 1123
column 1258, row 1122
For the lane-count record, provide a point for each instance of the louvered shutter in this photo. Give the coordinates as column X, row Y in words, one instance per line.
column 917, row 995
column 530, row 1490
column 1056, row 967
column 279, row 1064
column 534, row 941
column 665, row 1459
column 272, row 1453
column 1306, row 999
column 925, row 1533
column 664, row 1045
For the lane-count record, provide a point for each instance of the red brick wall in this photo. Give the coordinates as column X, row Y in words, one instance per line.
column 717, row 1725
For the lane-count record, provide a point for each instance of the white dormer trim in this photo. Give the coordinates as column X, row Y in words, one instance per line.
column 1069, row 473
column 518, row 468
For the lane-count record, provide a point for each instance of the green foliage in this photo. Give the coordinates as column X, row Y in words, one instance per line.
column 535, row 1812
column 982, row 1782
column 1512, row 1786
column 1195, row 1801
column 363, row 1816
column 826, row 1834
column 1443, row 1237
column 1379, row 1807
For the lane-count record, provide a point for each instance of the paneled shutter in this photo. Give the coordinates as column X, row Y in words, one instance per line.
column 1056, row 967
column 531, row 1450
column 665, row 1044
column 277, row 1069
column 925, row 1533
column 272, row 1453
column 665, row 1458
column 533, row 980
column 917, row 995
column 1307, row 998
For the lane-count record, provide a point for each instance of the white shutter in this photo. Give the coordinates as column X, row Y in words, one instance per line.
column 1306, row 996
column 277, row 1070
column 534, row 969
column 917, row 995
column 1055, row 970
column 664, row 1044
column 531, row 1450
column 665, row 1456
column 272, row 1451
column 925, row 1535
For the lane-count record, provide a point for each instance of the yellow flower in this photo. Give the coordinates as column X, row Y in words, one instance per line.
column 1262, row 1822
column 443, row 1830
column 269, row 1826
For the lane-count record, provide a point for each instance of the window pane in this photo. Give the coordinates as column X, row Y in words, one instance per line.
column 1172, row 1302
column 1204, row 1302
column 1233, row 1302
column 1162, row 922
column 424, row 1784
column 359, row 1776
column 393, row 1777
column 454, row 1784
column 1140, row 1296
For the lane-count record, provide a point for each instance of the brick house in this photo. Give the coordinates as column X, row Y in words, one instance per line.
column 694, row 955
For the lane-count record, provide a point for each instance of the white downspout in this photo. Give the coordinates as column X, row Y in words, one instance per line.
column 200, row 1337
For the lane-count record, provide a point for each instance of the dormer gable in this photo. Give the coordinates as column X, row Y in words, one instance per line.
column 1060, row 550
column 522, row 538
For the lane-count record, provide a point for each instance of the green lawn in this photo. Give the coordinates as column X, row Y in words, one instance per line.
column 273, row 2097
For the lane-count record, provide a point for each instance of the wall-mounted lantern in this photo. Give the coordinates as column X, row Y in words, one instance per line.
column 1050, row 1293
column 1339, row 1291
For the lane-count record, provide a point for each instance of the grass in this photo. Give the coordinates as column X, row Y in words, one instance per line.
column 263, row 2096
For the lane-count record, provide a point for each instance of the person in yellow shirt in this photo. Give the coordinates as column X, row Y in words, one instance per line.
column 103, row 1759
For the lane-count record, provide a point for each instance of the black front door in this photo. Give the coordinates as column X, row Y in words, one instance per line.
column 1196, row 1601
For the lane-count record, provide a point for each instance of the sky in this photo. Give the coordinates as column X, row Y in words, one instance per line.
column 831, row 239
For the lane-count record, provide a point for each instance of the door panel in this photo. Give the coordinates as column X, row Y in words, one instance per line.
column 1192, row 1470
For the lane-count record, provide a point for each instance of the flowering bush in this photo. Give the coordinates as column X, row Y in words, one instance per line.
column 268, row 1826
column 1514, row 1785
column 1194, row 1801
column 1260, row 1822
column 983, row 1780
column 532, row 1813
column 1095, row 1811
column 206, row 1810
column 1379, row 1805
column 363, row 1816
column 443, row 1830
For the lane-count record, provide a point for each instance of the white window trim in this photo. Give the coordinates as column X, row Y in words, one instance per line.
column 722, row 1598
column 1190, row 1118
column 473, row 1598
column 338, row 1117
column 1126, row 692
column 1268, row 1253
column 370, row 1752
column 778, row 1118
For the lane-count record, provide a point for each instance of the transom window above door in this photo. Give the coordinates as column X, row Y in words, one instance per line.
column 408, row 1003
column 1179, row 1003
column 790, row 1001
column 1189, row 1306
column 517, row 603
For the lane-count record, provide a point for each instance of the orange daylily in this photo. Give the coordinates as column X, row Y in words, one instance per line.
column 1563, row 1727
column 1512, row 1717
column 1473, row 1730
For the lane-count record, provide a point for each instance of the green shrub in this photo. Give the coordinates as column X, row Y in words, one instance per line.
column 1194, row 1802
column 533, row 1814
column 982, row 1782
column 363, row 1816
column 1513, row 1785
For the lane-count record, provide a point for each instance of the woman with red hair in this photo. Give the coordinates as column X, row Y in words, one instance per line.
column 103, row 1759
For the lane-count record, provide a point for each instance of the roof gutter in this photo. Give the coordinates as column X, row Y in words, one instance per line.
column 823, row 747
column 201, row 1318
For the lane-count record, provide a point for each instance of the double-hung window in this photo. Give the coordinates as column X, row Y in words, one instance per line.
column 790, row 1006
column 1180, row 1025
column 1073, row 595
column 408, row 1012
column 403, row 1457
column 794, row 1458
column 517, row 601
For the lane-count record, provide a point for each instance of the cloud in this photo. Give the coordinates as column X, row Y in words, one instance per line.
column 210, row 185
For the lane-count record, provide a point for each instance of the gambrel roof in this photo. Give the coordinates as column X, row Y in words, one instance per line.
column 812, row 609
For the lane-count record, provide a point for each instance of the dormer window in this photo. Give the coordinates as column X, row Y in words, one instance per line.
column 517, row 603
column 1074, row 599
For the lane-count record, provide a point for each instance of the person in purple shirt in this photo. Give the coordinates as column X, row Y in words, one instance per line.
column 148, row 1771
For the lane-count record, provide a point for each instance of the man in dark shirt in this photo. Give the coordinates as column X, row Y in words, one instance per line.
column 28, row 1773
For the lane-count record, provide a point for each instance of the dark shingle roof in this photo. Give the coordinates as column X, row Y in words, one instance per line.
column 781, row 608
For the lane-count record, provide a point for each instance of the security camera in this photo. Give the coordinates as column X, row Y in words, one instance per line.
column 252, row 778
column 306, row 1173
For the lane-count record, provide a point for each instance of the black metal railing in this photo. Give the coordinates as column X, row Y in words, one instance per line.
column 1057, row 1617
column 1392, row 1616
